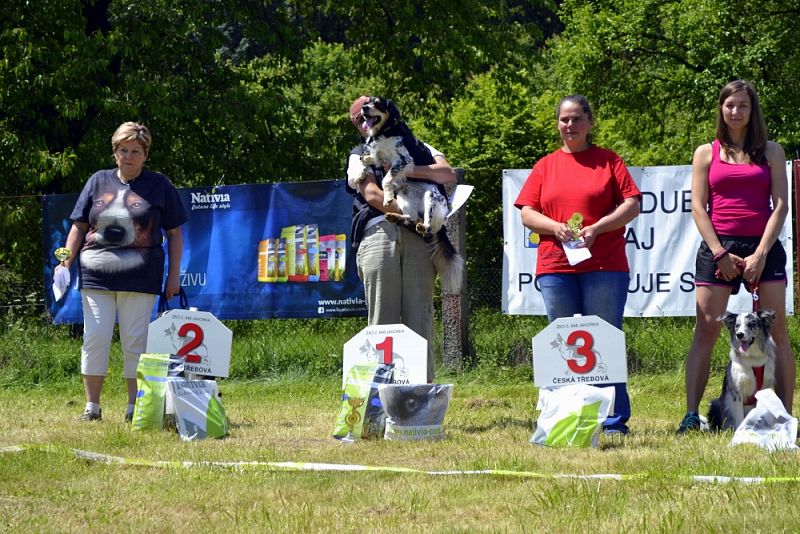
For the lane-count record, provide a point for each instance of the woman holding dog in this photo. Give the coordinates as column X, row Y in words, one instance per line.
column 580, row 198
column 118, row 225
column 394, row 263
column 739, row 204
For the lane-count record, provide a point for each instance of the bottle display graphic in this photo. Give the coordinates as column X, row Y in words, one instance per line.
column 301, row 254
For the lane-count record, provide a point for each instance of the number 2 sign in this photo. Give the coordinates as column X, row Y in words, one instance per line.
column 389, row 343
column 198, row 336
column 579, row 350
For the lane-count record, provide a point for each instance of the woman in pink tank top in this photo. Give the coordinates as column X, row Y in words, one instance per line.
column 739, row 204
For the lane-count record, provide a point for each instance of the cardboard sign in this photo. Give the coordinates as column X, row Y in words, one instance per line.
column 579, row 350
column 389, row 343
column 198, row 336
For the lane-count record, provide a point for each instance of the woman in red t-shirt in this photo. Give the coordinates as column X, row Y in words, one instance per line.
column 579, row 199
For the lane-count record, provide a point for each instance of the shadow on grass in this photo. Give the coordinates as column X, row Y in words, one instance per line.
column 502, row 422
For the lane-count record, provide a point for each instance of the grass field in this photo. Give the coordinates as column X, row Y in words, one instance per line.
column 47, row 488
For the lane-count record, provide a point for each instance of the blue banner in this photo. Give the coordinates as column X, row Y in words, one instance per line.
column 256, row 251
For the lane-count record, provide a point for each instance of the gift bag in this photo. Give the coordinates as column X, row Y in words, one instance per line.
column 152, row 375
column 361, row 414
column 374, row 415
column 416, row 411
column 198, row 409
column 768, row 425
column 572, row 416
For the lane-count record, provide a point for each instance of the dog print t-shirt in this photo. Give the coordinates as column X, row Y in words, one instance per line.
column 123, row 247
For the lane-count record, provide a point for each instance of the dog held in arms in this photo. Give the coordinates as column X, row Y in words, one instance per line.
column 390, row 144
column 752, row 352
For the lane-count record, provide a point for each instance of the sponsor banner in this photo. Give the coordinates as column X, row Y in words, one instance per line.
column 254, row 251
column 661, row 247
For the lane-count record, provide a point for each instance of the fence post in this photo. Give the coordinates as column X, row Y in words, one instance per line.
column 455, row 306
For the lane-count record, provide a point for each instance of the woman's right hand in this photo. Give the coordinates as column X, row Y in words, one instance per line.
column 562, row 232
column 729, row 266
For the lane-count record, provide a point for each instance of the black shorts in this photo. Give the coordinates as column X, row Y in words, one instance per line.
column 706, row 267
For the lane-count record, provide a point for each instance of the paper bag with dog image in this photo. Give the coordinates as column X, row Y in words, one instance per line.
column 572, row 416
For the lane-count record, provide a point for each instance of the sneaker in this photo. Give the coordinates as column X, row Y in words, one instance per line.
column 691, row 422
column 129, row 417
column 89, row 415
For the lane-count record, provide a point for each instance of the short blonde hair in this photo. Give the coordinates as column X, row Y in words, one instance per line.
column 132, row 131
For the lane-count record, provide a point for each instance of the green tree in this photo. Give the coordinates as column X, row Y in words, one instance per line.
column 654, row 69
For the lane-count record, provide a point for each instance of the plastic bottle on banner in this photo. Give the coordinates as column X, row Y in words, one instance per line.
column 327, row 257
column 272, row 260
column 263, row 260
column 312, row 252
column 283, row 268
column 341, row 256
column 287, row 234
column 300, row 255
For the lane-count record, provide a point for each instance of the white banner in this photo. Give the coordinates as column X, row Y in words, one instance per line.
column 661, row 246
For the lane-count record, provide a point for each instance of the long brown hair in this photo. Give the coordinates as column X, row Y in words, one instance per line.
column 755, row 141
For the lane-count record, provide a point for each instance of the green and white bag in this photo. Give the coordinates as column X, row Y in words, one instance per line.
column 572, row 416
column 362, row 414
column 152, row 375
column 198, row 409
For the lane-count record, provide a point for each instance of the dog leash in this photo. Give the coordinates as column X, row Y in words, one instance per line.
column 757, row 371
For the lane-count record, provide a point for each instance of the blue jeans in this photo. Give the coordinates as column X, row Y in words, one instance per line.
column 598, row 293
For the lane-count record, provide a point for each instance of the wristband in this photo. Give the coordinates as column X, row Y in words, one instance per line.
column 719, row 255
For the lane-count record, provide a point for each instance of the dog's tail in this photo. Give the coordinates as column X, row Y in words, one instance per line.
column 448, row 262
column 718, row 415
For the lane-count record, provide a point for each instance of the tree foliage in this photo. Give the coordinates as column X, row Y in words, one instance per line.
column 654, row 68
column 258, row 90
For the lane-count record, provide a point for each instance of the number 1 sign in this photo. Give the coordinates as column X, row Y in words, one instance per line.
column 579, row 350
column 389, row 343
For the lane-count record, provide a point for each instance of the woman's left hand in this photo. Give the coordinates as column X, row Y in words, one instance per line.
column 588, row 235
column 172, row 287
column 753, row 267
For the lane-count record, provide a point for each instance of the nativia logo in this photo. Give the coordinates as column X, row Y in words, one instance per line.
column 211, row 201
column 531, row 239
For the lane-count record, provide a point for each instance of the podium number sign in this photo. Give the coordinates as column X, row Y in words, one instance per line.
column 202, row 340
column 389, row 343
column 579, row 350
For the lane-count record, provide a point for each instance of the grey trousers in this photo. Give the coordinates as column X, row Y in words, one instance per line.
column 395, row 265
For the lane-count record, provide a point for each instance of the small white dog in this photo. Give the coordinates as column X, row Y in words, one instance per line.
column 752, row 367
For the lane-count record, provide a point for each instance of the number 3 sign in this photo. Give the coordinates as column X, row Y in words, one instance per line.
column 389, row 343
column 579, row 350
column 203, row 341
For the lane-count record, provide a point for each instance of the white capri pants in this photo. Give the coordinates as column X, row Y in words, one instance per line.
column 101, row 309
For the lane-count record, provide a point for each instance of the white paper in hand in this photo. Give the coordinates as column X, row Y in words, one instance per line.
column 459, row 197
column 576, row 254
column 61, row 280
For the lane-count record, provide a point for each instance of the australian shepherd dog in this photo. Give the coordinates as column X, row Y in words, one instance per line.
column 391, row 145
column 752, row 367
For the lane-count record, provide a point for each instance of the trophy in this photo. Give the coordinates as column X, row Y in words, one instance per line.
column 575, row 223
column 62, row 254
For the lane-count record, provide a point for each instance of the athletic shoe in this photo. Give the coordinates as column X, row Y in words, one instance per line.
column 691, row 423
column 129, row 417
column 89, row 415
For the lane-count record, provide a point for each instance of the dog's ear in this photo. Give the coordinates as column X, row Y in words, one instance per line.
column 767, row 317
column 394, row 113
column 729, row 318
